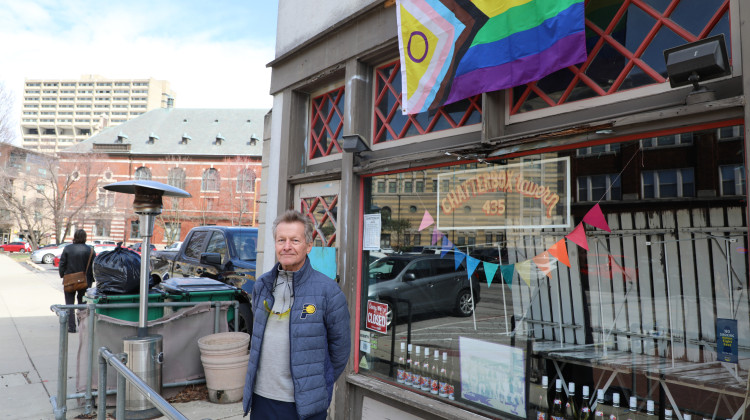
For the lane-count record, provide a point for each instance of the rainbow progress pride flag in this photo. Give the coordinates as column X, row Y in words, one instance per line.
column 454, row 49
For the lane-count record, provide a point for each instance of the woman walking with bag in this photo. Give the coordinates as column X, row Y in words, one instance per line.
column 76, row 260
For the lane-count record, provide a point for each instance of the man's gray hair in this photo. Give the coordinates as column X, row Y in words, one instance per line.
column 293, row 216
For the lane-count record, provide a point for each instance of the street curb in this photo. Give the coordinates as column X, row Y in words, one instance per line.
column 34, row 266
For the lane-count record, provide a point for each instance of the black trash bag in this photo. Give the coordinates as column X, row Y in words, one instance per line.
column 117, row 272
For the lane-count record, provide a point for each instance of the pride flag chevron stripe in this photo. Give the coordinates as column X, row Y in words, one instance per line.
column 454, row 49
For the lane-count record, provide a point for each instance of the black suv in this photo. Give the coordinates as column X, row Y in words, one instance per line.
column 429, row 283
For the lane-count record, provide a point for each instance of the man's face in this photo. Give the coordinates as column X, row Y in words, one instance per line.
column 291, row 246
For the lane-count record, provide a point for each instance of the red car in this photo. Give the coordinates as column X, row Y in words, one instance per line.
column 16, row 247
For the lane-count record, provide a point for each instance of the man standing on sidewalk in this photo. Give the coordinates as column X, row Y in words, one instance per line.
column 77, row 257
column 300, row 341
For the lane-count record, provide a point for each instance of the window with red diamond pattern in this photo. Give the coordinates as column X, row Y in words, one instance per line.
column 391, row 124
column 625, row 41
column 326, row 123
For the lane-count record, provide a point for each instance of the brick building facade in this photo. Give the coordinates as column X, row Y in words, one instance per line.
column 215, row 155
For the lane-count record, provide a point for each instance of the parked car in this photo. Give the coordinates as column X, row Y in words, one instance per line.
column 429, row 283
column 16, row 247
column 226, row 254
column 47, row 255
column 174, row 246
column 137, row 247
column 98, row 248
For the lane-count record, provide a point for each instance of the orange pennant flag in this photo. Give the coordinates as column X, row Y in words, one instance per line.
column 560, row 252
column 542, row 261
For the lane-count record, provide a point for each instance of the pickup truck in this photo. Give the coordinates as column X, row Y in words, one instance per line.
column 226, row 254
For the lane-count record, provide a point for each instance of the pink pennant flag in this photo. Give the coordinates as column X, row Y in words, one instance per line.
column 427, row 220
column 578, row 237
column 542, row 261
column 595, row 218
column 560, row 252
column 436, row 235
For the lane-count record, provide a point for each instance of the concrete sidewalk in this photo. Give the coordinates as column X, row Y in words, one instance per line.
column 29, row 343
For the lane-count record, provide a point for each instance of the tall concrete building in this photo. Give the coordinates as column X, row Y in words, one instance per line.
column 58, row 113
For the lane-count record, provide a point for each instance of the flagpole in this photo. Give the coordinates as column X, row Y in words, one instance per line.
column 473, row 307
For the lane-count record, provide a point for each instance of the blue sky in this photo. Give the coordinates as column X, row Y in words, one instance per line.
column 214, row 54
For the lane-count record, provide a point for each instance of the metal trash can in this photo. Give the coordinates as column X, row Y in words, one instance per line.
column 145, row 359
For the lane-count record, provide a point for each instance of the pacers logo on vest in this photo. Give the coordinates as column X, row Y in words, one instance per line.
column 307, row 309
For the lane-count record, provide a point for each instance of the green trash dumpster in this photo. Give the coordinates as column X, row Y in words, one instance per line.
column 126, row 314
column 199, row 289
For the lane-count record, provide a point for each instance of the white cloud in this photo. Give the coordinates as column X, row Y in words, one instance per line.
column 69, row 39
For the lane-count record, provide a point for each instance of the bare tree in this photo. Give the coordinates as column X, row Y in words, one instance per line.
column 8, row 123
column 75, row 192
column 23, row 182
column 242, row 191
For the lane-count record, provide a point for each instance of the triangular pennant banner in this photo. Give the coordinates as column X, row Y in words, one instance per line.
column 471, row 265
column 595, row 218
column 507, row 272
column 628, row 272
column 489, row 271
column 560, row 252
column 447, row 246
column 542, row 261
column 578, row 237
column 459, row 258
column 436, row 235
column 427, row 220
column 524, row 271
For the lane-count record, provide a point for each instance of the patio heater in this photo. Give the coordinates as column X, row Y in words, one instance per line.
column 144, row 351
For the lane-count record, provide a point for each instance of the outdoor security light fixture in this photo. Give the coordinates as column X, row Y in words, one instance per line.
column 144, row 351
column 697, row 62
column 354, row 143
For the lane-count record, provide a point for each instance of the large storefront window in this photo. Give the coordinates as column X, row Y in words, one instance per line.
column 621, row 267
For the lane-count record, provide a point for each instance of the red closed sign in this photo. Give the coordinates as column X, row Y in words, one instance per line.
column 377, row 317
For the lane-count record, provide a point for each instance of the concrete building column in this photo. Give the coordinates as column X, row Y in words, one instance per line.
column 357, row 120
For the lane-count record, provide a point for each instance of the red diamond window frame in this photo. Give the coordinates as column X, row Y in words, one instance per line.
column 320, row 204
column 318, row 113
column 384, row 89
column 634, row 57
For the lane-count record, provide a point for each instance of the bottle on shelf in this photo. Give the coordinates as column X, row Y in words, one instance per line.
column 585, row 412
column 450, row 378
column 632, row 413
column 400, row 368
column 667, row 414
column 416, row 374
column 600, row 408
column 435, row 374
column 557, row 410
column 409, row 367
column 424, row 382
column 571, row 407
column 538, row 403
column 650, row 414
column 443, row 378
column 614, row 412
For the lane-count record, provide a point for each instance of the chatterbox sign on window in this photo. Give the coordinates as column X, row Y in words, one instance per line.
column 377, row 319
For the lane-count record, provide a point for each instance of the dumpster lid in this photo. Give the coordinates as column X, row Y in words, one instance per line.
column 193, row 284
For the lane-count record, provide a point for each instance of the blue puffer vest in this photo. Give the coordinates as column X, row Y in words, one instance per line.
column 318, row 334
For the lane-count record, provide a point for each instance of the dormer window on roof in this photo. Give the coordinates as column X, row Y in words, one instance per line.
column 253, row 139
column 152, row 138
column 185, row 138
column 219, row 139
column 121, row 137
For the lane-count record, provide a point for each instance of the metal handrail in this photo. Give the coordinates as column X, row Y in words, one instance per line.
column 125, row 375
column 59, row 401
